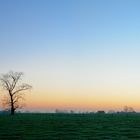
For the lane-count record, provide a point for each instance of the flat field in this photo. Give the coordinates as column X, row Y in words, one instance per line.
column 70, row 127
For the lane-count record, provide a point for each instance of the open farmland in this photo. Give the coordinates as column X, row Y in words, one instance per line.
column 70, row 127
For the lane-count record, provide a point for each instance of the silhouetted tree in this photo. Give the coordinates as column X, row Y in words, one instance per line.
column 11, row 83
column 128, row 109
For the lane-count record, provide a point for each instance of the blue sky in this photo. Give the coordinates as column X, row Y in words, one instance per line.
column 73, row 26
column 72, row 44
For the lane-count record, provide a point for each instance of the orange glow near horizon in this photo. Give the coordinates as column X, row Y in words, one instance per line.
column 79, row 100
column 103, row 97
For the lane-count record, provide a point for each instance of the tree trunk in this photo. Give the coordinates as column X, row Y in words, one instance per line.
column 12, row 106
column 12, row 111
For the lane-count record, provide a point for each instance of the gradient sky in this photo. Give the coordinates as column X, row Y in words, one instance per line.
column 77, row 54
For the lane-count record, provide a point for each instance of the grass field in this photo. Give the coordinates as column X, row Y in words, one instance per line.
column 70, row 127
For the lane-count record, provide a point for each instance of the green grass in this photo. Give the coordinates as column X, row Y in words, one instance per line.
column 70, row 127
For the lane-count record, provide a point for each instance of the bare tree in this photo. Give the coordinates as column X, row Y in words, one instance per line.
column 11, row 83
column 128, row 109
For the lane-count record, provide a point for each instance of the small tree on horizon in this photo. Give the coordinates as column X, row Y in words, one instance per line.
column 11, row 84
column 128, row 109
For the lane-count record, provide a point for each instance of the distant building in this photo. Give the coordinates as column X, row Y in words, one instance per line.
column 61, row 111
column 101, row 112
